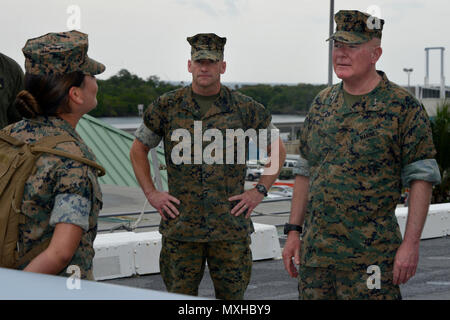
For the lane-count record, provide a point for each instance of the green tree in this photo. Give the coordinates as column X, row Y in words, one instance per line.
column 122, row 93
column 283, row 99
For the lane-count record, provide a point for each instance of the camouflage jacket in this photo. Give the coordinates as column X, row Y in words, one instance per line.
column 356, row 155
column 203, row 189
column 54, row 178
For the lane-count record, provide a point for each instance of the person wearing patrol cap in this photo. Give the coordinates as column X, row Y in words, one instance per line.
column 363, row 139
column 206, row 213
column 207, row 46
column 355, row 27
column 62, row 197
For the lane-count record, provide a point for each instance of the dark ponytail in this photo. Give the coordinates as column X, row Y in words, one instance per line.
column 47, row 95
column 27, row 105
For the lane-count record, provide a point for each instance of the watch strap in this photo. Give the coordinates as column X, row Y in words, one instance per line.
column 292, row 227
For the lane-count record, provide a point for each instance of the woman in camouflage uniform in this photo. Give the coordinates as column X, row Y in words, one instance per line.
column 62, row 197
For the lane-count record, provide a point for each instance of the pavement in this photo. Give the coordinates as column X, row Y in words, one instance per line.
column 269, row 281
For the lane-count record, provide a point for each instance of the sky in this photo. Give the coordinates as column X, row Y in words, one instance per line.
column 272, row 41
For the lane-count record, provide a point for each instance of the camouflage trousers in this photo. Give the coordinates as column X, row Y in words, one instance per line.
column 182, row 265
column 331, row 284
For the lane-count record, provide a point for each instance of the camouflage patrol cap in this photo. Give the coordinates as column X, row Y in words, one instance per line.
column 207, row 46
column 356, row 27
column 60, row 53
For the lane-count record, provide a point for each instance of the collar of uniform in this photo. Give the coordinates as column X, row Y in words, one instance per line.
column 57, row 122
column 369, row 101
column 383, row 85
column 221, row 105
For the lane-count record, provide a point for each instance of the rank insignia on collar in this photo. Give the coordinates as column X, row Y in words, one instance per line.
column 333, row 96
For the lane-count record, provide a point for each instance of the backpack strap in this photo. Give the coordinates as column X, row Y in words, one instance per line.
column 47, row 144
column 101, row 170
column 10, row 139
column 53, row 141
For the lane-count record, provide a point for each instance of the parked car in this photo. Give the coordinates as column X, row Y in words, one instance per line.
column 271, row 196
column 287, row 171
column 283, row 191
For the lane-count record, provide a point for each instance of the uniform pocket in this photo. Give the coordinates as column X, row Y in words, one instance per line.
column 368, row 145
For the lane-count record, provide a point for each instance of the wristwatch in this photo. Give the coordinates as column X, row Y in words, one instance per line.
column 292, row 227
column 261, row 189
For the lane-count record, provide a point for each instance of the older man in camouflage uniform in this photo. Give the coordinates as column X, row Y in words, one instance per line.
column 362, row 139
column 203, row 216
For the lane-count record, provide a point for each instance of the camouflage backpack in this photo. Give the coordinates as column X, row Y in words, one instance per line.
column 17, row 163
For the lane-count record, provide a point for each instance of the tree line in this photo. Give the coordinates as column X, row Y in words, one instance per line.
column 120, row 95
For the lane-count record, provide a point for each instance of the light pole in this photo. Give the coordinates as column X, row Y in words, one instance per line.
column 330, row 45
column 408, row 71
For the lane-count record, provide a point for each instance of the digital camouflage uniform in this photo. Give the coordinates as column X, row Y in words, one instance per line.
column 60, row 53
column 229, row 262
column 60, row 190
column 205, row 228
column 204, row 206
column 204, row 189
column 356, row 157
column 207, row 46
column 355, row 27
column 11, row 82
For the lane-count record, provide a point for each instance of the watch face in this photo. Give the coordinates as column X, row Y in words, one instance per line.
column 261, row 189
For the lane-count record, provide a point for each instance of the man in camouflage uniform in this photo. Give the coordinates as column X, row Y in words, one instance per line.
column 62, row 195
column 11, row 82
column 362, row 139
column 203, row 215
